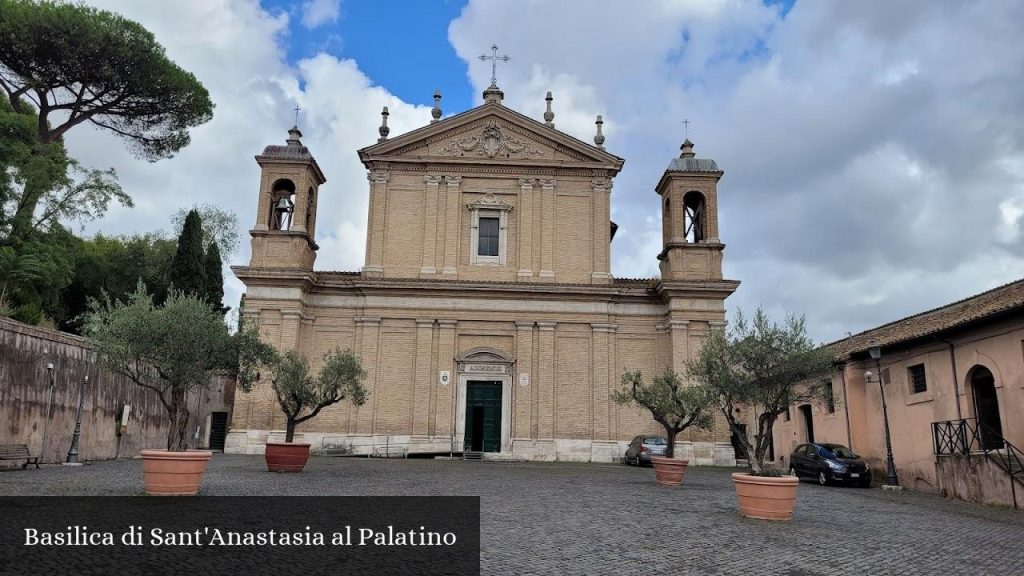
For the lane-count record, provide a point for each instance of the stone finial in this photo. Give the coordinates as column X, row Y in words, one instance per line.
column 384, row 130
column 493, row 95
column 435, row 113
column 549, row 116
column 599, row 137
column 687, row 149
column 293, row 137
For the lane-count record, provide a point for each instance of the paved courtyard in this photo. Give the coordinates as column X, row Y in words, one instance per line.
column 588, row 519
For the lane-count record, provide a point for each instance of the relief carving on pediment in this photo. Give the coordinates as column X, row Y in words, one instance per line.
column 490, row 142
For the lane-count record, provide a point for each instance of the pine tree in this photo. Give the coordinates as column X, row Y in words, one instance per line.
column 187, row 268
column 214, row 278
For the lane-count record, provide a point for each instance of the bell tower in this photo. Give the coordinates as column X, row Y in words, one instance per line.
column 689, row 218
column 283, row 236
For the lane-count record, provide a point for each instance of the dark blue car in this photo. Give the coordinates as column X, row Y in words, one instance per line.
column 829, row 464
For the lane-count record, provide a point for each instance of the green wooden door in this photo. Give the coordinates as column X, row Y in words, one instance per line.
column 483, row 416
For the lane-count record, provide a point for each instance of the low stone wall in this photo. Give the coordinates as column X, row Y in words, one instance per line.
column 976, row 478
column 523, row 449
column 25, row 392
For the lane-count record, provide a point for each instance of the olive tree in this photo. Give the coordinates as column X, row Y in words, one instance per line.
column 172, row 349
column 302, row 396
column 762, row 367
column 672, row 403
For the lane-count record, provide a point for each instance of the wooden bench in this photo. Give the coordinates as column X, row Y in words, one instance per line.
column 18, row 452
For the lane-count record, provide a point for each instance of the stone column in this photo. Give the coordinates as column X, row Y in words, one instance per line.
column 445, row 418
column 547, row 258
column 546, row 380
column 375, row 223
column 369, row 328
column 526, row 233
column 602, row 230
column 451, row 235
column 420, row 415
column 524, row 393
column 601, row 338
column 429, row 238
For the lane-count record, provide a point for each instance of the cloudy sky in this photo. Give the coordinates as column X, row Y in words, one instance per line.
column 873, row 152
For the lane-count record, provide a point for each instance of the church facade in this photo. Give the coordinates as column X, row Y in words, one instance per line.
column 486, row 315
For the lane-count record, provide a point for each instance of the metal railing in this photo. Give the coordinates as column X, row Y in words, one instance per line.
column 971, row 436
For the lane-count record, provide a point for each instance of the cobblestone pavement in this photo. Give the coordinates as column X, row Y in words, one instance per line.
column 588, row 519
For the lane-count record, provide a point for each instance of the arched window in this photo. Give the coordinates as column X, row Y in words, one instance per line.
column 310, row 200
column 282, row 205
column 693, row 217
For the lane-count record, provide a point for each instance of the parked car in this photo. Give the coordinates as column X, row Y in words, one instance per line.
column 829, row 463
column 643, row 447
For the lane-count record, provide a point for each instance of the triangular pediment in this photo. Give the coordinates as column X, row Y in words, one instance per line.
column 491, row 133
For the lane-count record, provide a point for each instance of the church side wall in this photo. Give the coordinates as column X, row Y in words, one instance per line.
column 563, row 364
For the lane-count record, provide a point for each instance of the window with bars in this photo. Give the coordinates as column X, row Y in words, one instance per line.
column 916, row 377
column 488, row 241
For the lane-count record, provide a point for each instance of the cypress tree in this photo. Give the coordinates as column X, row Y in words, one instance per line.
column 214, row 278
column 187, row 268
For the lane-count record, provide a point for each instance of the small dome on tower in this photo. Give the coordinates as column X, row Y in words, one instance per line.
column 687, row 162
column 292, row 149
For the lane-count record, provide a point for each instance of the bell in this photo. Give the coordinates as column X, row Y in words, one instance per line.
column 284, row 205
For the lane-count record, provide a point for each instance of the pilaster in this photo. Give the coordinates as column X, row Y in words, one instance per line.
column 547, row 260
column 444, row 417
column 600, row 360
column 375, row 223
column 432, row 182
column 451, row 236
column 524, row 392
column 546, row 379
column 601, row 269
column 525, row 218
column 680, row 344
column 420, row 405
column 368, row 332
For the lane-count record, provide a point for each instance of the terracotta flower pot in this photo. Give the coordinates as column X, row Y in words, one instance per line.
column 669, row 471
column 174, row 473
column 766, row 497
column 286, row 456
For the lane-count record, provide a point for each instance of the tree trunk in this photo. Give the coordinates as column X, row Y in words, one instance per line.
column 177, row 433
column 670, row 436
column 289, row 431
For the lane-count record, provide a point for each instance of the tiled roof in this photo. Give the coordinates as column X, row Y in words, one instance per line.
column 290, row 151
column 996, row 301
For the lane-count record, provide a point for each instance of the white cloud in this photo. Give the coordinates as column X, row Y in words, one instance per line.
column 236, row 50
column 873, row 166
column 319, row 12
column 872, row 153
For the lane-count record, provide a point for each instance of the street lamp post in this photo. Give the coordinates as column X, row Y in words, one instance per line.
column 72, row 457
column 890, row 467
column 52, row 377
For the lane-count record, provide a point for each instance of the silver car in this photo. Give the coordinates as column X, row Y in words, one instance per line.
column 642, row 448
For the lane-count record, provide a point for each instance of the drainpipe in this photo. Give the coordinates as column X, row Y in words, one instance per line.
column 846, row 405
column 956, row 383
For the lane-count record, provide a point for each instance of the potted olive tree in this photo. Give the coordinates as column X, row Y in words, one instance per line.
column 171, row 349
column 675, row 406
column 761, row 367
column 302, row 396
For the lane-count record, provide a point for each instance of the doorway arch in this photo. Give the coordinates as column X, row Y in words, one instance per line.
column 986, row 407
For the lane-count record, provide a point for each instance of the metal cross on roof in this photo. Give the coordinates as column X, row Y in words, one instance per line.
column 494, row 63
column 686, row 128
column 296, row 109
